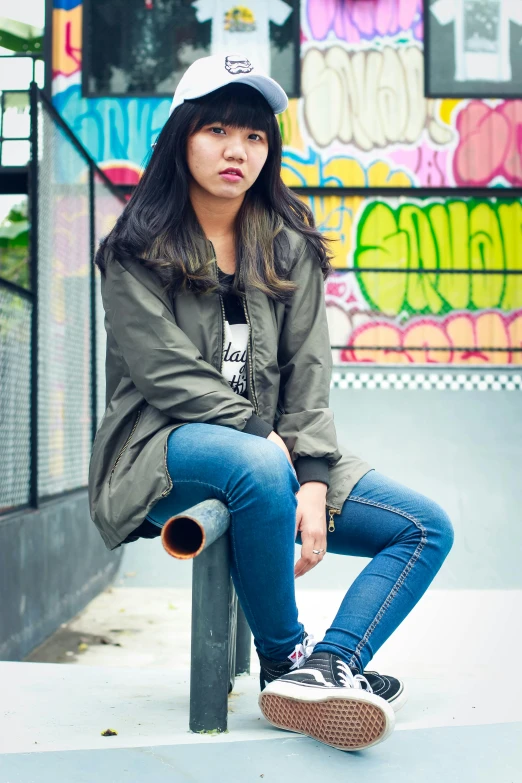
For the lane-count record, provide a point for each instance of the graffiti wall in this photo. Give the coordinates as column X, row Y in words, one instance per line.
column 410, row 315
column 363, row 121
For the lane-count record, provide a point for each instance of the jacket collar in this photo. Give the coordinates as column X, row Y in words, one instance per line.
column 201, row 242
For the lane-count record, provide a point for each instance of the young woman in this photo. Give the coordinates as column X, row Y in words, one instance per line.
column 218, row 377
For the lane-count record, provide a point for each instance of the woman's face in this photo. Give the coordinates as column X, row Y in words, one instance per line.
column 217, row 148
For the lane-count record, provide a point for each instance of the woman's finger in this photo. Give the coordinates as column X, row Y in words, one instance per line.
column 308, row 558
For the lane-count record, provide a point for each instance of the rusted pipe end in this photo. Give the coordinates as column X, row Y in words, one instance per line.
column 183, row 537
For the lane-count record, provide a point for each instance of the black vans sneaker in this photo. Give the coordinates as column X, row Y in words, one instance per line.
column 325, row 700
column 271, row 670
column 387, row 687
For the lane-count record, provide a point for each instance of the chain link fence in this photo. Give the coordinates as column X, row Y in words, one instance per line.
column 52, row 337
column 65, row 386
column 15, row 398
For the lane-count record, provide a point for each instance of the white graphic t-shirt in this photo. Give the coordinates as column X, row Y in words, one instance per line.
column 236, row 340
column 242, row 28
column 235, row 356
column 482, row 36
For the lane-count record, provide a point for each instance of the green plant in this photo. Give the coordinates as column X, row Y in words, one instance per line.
column 14, row 245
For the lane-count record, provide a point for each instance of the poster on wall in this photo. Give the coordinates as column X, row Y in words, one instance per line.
column 141, row 48
column 473, row 48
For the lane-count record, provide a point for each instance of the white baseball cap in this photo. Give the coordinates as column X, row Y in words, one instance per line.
column 210, row 73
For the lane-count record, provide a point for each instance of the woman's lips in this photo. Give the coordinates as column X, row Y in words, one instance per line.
column 230, row 176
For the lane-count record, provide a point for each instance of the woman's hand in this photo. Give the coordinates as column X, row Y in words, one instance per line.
column 311, row 523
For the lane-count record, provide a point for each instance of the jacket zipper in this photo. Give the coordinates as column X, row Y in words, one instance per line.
column 223, row 316
column 250, row 363
column 170, row 484
column 331, row 524
column 125, row 444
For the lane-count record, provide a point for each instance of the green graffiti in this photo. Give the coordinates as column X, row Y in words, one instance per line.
column 473, row 234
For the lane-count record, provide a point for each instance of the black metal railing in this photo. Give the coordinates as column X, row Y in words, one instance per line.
column 16, row 98
column 52, row 395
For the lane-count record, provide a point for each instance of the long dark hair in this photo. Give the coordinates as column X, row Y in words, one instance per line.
column 159, row 226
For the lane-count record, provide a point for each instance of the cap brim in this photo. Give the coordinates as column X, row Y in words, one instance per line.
column 274, row 94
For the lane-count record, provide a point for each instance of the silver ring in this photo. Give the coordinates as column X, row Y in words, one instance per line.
column 317, row 551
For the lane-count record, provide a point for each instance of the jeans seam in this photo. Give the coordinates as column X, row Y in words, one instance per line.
column 400, row 581
column 206, row 484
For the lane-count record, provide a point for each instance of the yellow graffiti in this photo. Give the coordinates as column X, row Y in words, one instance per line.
column 289, row 126
column 471, row 235
column 334, row 218
column 445, row 108
column 300, row 171
column 67, row 40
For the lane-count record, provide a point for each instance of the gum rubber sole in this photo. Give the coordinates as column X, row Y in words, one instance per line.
column 345, row 724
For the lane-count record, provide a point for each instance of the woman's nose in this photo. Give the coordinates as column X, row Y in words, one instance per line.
column 235, row 150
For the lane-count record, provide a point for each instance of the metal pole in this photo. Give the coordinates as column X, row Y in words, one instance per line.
column 210, row 662
column 48, row 50
column 232, row 637
column 94, row 351
column 243, row 643
column 33, row 205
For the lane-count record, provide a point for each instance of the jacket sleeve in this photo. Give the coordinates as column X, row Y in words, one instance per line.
column 305, row 362
column 164, row 364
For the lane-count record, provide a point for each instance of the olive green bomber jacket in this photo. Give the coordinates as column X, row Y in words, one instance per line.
column 163, row 369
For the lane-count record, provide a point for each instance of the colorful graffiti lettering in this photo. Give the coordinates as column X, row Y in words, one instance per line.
column 114, row 130
column 465, row 234
column 353, row 20
column 338, row 171
column 362, row 120
column 490, row 144
column 428, row 166
column 368, row 98
column 334, row 218
column 460, row 338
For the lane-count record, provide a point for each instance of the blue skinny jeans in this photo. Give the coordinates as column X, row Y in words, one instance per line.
column 407, row 536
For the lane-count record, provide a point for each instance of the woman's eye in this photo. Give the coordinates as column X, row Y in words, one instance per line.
column 218, row 131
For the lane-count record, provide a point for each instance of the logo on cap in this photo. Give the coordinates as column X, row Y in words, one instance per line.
column 236, row 65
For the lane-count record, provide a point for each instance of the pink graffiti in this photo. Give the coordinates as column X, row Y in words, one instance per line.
column 72, row 51
column 460, row 338
column 338, row 288
column 490, row 143
column 353, row 20
column 429, row 165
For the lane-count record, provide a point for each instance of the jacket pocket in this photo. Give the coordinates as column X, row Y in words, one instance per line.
column 133, row 430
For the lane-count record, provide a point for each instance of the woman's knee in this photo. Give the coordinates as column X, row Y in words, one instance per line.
column 266, row 463
column 439, row 525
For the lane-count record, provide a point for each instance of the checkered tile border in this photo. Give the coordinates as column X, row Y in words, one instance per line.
column 456, row 380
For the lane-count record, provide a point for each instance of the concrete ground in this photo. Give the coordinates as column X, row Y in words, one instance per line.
column 123, row 663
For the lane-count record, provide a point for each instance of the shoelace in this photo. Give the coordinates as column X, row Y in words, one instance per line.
column 302, row 651
column 351, row 680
